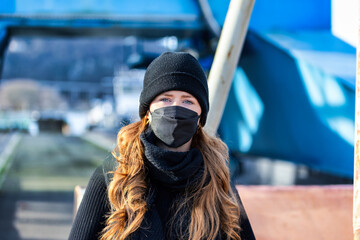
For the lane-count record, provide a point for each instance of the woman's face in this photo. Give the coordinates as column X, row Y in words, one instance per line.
column 176, row 98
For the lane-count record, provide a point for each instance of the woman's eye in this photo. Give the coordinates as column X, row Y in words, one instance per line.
column 188, row 102
column 165, row 99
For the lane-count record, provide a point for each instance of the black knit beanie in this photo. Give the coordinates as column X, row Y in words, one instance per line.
column 175, row 71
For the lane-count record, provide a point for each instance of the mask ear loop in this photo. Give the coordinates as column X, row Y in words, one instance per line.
column 198, row 129
column 147, row 118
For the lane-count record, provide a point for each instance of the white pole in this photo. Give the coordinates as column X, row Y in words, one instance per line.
column 356, row 201
column 226, row 58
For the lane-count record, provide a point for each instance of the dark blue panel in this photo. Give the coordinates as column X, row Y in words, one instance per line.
column 4, row 41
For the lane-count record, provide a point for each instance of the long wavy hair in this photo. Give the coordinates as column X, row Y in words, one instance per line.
column 212, row 202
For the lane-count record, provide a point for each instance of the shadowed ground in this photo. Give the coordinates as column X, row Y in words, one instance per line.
column 36, row 199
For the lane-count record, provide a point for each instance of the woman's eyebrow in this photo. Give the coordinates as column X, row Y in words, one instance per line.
column 171, row 95
column 164, row 95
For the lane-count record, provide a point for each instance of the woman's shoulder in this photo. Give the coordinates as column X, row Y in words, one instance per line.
column 93, row 208
column 103, row 173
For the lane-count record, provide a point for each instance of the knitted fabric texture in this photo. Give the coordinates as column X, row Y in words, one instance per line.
column 175, row 71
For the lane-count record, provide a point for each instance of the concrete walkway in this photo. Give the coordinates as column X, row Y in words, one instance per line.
column 36, row 200
column 8, row 143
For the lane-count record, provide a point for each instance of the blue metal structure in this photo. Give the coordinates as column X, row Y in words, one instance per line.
column 294, row 101
column 113, row 15
column 293, row 93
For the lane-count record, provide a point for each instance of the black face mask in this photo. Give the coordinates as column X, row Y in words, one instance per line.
column 174, row 125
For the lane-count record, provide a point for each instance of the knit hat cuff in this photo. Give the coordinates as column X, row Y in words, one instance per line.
column 175, row 75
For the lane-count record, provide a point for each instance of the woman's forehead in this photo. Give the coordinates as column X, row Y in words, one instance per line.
column 176, row 93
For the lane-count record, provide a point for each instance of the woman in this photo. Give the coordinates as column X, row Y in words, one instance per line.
column 170, row 179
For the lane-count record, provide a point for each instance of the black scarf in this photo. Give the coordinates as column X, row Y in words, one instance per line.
column 172, row 169
column 169, row 174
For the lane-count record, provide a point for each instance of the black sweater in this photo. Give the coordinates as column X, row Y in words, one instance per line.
column 90, row 218
column 167, row 179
